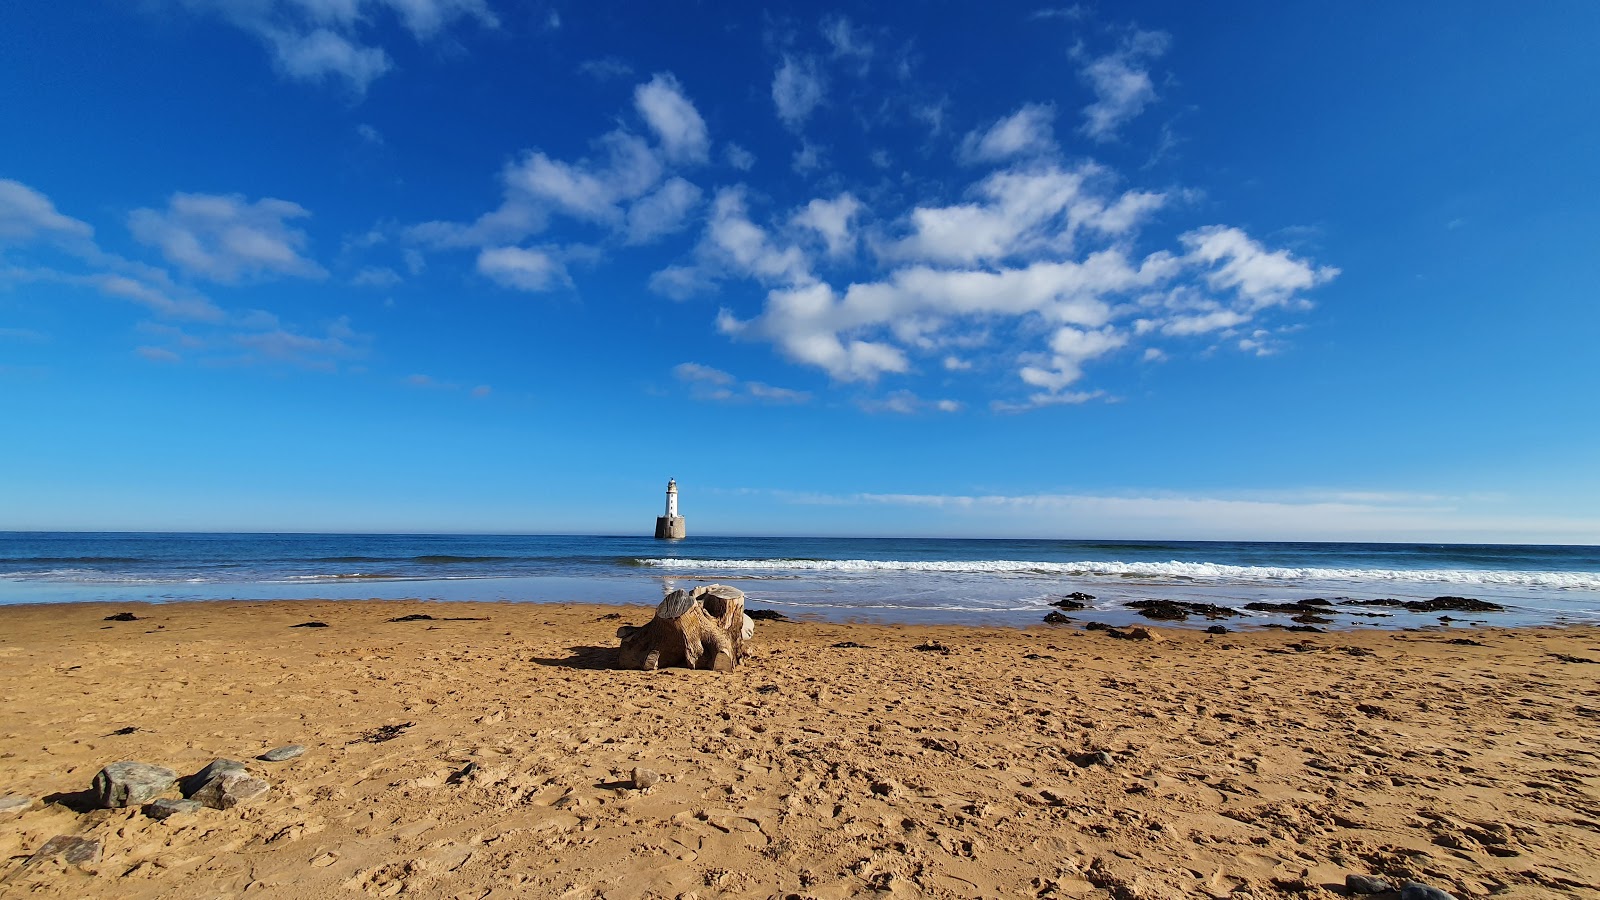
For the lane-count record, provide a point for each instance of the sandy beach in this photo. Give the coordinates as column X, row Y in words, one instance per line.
column 490, row 752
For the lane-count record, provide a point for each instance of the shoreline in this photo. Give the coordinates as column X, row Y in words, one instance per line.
column 840, row 760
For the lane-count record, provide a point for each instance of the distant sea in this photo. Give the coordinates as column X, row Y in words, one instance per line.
column 924, row 580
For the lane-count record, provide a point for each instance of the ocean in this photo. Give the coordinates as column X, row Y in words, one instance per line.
column 921, row 580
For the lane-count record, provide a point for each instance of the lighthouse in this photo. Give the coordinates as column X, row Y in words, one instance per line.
column 670, row 527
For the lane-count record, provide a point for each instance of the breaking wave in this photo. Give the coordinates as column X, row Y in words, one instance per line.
column 1167, row 571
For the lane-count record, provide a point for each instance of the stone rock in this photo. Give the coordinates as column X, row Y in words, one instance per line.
column 1094, row 758
column 74, row 851
column 1217, row 629
column 168, row 806
column 14, row 804
column 644, row 778
column 1366, row 884
column 279, row 754
column 122, row 617
column 1416, row 890
column 200, row 779
column 1074, row 600
column 766, row 615
column 1178, row 610
column 1140, row 633
column 1055, row 618
column 231, row 788
column 124, row 784
column 310, row 625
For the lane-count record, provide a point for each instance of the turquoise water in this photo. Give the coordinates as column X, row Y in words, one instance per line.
column 1008, row 582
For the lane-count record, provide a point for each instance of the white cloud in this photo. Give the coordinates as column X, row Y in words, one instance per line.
column 376, row 276
column 317, row 40
column 606, row 68
column 847, row 41
column 739, row 157
column 227, row 238
column 708, row 383
column 745, row 247
column 906, row 403
column 1259, row 276
column 1121, row 83
column 673, row 118
column 322, row 54
column 807, row 159
column 521, row 268
column 831, row 220
column 26, row 214
column 797, row 90
column 680, row 282
column 1023, row 210
column 663, row 212
column 1026, row 132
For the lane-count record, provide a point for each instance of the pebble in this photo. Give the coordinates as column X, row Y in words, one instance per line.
column 167, row 806
column 1217, row 629
column 645, row 778
column 13, row 804
column 1094, row 758
column 1366, row 884
column 1416, row 890
column 230, row 789
column 279, row 754
column 74, row 851
column 131, row 783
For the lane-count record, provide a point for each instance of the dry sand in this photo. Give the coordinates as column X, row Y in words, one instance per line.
column 1264, row 764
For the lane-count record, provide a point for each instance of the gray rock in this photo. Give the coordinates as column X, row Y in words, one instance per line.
column 279, row 754
column 1416, row 890
column 167, row 807
column 74, row 851
column 205, row 776
column 131, row 783
column 14, row 804
column 645, row 778
column 1094, row 758
column 230, row 789
column 1366, row 884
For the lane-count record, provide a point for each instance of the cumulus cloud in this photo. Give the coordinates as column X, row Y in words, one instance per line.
column 662, row 212
column 830, row 219
column 847, row 42
column 521, row 268
column 227, row 238
column 797, row 90
column 626, row 186
column 1121, row 84
column 320, row 40
column 673, row 118
column 1026, row 132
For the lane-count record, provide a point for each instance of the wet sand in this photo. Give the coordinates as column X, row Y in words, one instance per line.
column 493, row 758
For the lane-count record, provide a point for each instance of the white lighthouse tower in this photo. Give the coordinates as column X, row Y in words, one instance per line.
column 670, row 527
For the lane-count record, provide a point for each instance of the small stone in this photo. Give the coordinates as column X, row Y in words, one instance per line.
column 74, row 851
column 1055, row 618
column 1094, row 758
column 122, row 617
column 1217, row 629
column 645, row 778
column 1140, row 633
column 14, row 804
column 310, row 625
column 1416, row 890
column 167, row 807
column 279, row 754
column 205, row 776
column 230, row 789
column 131, row 783
column 1366, row 884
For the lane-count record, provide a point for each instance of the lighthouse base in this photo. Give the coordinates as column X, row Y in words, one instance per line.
column 670, row 528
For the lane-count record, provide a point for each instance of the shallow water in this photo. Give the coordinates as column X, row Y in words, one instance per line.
column 1001, row 582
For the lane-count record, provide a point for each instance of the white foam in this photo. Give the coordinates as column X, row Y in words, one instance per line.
column 1186, row 571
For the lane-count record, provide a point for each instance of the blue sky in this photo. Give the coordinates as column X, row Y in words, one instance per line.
column 1139, row 270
